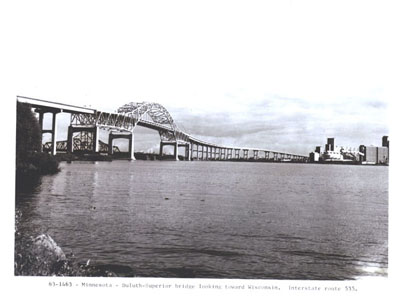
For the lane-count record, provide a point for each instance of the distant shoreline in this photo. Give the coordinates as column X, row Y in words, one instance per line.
column 64, row 157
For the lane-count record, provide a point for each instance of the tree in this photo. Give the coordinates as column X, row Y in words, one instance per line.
column 28, row 136
column 30, row 162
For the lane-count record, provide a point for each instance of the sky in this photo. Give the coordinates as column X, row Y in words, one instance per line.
column 279, row 75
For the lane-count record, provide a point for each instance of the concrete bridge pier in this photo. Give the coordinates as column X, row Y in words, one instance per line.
column 275, row 156
column 266, row 155
column 246, row 154
column 188, row 150
column 131, row 145
column 52, row 131
column 195, row 151
column 255, row 153
column 174, row 144
column 229, row 155
column 219, row 154
column 94, row 137
column 237, row 154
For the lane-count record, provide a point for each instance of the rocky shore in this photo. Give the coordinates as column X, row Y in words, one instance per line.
column 41, row 256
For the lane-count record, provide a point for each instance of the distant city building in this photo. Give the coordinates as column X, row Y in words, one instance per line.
column 331, row 144
column 363, row 155
column 374, row 154
column 385, row 141
column 314, row 156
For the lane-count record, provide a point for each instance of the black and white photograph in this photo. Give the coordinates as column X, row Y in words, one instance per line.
column 191, row 148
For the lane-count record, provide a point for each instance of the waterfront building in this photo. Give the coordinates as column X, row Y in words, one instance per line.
column 374, row 155
column 363, row 155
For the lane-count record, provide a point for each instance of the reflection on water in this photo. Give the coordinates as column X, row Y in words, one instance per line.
column 217, row 219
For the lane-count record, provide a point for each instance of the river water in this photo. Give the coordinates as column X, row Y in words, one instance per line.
column 216, row 219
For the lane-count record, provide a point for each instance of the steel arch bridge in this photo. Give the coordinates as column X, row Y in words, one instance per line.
column 121, row 124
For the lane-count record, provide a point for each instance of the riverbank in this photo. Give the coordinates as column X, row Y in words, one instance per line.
column 41, row 256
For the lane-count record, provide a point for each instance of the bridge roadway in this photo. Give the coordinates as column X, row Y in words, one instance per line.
column 85, row 122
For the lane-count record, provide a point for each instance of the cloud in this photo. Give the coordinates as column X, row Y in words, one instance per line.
column 289, row 124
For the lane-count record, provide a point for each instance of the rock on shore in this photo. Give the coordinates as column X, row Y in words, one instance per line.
column 40, row 256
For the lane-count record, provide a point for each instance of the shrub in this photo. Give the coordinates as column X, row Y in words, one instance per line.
column 29, row 161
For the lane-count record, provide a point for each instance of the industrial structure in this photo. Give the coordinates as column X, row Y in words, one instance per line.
column 371, row 155
column 83, row 133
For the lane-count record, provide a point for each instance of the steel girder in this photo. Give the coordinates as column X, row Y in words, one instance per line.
column 152, row 112
column 79, row 144
column 128, row 116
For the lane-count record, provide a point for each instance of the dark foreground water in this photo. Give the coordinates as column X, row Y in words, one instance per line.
column 217, row 219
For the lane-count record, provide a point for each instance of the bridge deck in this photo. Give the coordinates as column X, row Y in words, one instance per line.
column 50, row 106
column 38, row 103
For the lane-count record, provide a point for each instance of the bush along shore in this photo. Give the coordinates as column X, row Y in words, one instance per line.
column 30, row 163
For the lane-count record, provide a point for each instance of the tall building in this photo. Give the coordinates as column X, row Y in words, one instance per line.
column 374, row 154
column 331, row 144
column 385, row 141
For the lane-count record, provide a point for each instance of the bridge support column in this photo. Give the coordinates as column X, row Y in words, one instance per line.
column 237, row 154
column 54, row 134
column 52, row 131
column 188, row 151
column 161, row 149
column 255, row 152
column 131, row 145
column 70, row 144
column 176, row 153
column 41, row 129
column 174, row 144
column 198, row 152
column 110, row 144
column 246, row 154
column 191, row 144
column 96, row 139
column 91, row 138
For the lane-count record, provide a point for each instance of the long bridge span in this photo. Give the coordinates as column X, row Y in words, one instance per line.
column 83, row 132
